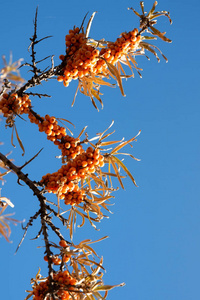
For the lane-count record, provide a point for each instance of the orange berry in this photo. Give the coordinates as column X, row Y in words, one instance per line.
column 62, row 57
column 66, row 258
column 45, row 258
column 73, row 40
column 84, row 163
column 63, row 243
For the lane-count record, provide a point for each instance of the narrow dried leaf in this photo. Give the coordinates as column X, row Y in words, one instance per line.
column 159, row 14
column 142, row 6
column 71, row 225
column 66, row 121
column 109, row 163
column 19, row 140
column 124, row 144
column 119, row 162
column 83, row 218
column 116, row 171
column 91, row 221
column 153, row 8
column 29, row 296
column 137, row 14
column 100, row 81
column 16, row 78
column 75, row 95
column 12, row 137
column 160, row 35
column 115, row 72
column 7, row 201
column 89, row 24
column 119, row 66
column 128, row 63
column 99, row 240
column 101, row 134
column 90, row 249
column 107, row 287
column 109, row 143
column 97, row 295
column 148, row 47
column 81, row 132
column 95, row 94
column 129, row 155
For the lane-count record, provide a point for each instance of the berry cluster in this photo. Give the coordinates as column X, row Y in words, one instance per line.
column 49, row 125
column 13, row 104
column 65, row 257
column 83, row 59
column 69, row 146
column 128, row 42
column 63, row 281
column 80, row 59
column 64, row 182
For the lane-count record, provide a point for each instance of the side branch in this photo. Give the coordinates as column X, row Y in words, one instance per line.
column 22, row 176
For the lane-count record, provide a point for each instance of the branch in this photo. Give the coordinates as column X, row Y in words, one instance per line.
column 30, row 223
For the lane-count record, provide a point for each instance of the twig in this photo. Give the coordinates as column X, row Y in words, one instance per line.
column 30, row 222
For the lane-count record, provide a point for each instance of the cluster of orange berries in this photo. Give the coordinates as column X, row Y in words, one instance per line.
column 128, row 42
column 50, row 126
column 64, row 283
column 82, row 59
column 56, row 260
column 10, row 104
column 64, row 182
column 65, row 257
column 69, row 146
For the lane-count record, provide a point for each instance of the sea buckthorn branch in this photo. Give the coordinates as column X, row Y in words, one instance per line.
column 90, row 61
column 79, row 275
column 44, row 215
column 80, row 182
column 147, row 20
column 24, row 177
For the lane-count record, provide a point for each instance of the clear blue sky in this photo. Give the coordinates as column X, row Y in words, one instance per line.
column 154, row 243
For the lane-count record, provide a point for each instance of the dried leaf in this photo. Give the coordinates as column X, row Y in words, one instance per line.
column 119, row 162
column 124, row 144
column 129, row 155
column 107, row 287
column 96, row 95
column 116, row 171
column 159, row 34
column 100, row 81
column 7, row 201
column 115, row 72
column 83, row 217
column 66, row 121
column 12, row 138
column 153, row 8
column 109, row 143
column 19, row 140
column 75, row 96
column 81, row 132
column 89, row 24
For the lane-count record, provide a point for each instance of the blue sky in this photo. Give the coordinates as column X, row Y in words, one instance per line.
column 154, row 230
